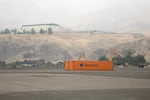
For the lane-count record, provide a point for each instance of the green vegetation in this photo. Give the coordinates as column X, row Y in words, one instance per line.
column 128, row 59
column 7, row 31
column 34, row 62
column 131, row 60
column 103, row 58
column 50, row 31
column 118, row 60
column 33, row 31
column 42, row 31
column 2, row 64
column 25, row 63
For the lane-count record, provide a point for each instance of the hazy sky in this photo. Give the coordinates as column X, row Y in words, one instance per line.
column 73, row 13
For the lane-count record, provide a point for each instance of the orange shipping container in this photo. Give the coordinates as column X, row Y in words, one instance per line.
column 89, row 65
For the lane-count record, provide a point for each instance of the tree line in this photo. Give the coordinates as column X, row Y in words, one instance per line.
column 127, row 59
column 32, row 31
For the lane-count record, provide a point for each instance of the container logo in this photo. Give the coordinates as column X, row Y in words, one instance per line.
column 88, row 65
column 81, row 65
column 92, row 65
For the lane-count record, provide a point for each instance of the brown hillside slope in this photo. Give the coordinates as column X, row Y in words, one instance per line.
column 59, row 46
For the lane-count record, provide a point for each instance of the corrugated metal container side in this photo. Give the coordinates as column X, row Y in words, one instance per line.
column 89, row 65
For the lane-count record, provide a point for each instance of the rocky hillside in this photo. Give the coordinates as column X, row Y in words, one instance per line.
column 139, row 46
column 63, row 46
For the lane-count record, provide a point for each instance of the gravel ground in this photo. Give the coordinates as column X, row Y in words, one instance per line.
column 130, row 83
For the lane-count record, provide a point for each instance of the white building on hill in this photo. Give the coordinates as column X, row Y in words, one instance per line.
column 38, row 27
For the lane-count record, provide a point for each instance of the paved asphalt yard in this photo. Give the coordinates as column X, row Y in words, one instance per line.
column 57, row 84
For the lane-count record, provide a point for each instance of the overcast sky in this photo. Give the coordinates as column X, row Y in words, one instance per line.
column 73, row 13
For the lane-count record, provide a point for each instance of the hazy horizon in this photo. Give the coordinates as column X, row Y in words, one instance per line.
column 105, row 15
